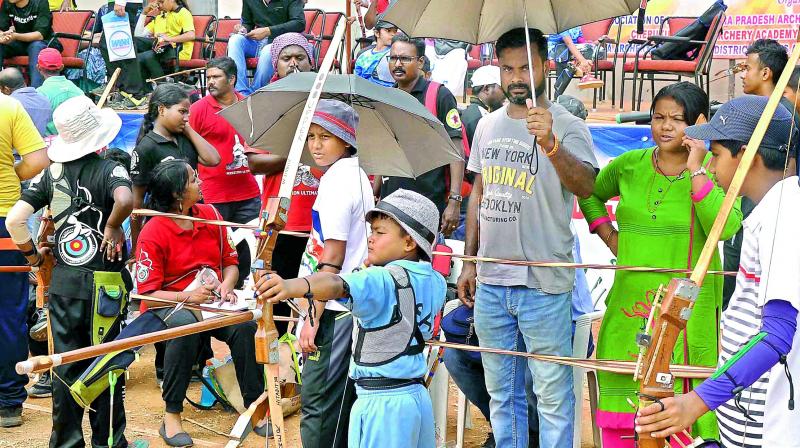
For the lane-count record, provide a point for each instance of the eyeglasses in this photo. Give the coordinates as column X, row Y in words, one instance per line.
column 405, row 60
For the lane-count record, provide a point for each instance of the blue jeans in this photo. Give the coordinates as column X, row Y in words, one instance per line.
column 544, row 321
column 13, row 326
column 468, row 375
column 30, row 49
column 239, row 49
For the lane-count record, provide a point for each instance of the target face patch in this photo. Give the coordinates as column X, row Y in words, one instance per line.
column 79, row 249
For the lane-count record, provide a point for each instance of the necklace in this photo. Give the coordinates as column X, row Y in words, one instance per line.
column 652, row 206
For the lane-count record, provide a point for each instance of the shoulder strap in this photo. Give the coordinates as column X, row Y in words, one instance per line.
column 431, row 93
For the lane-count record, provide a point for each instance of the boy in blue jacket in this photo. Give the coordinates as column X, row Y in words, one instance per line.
column 394, row 300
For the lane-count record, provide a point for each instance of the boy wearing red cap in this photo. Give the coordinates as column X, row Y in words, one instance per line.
column 55, row 87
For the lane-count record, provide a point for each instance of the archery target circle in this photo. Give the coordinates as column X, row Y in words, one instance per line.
column 78, row 250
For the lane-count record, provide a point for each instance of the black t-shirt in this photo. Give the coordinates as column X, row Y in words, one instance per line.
column 281, row 16
column 470, row 118
column 79, row 222
column 154, row 149
column 432, row 184
column 35, row 16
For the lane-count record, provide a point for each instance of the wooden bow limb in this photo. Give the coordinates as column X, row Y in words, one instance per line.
column 42, row 363
column 110, row 86
column 247, row 420
column 656, row 375
column 273, row 220
column 215, row 222
column 613, row 366
column 182, row 72
column 15, row 269
column 559, row 264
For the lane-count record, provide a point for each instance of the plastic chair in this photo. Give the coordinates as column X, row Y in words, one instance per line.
column 580, row 345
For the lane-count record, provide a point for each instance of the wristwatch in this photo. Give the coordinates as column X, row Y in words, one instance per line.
column 455, row 197
column 701, row 170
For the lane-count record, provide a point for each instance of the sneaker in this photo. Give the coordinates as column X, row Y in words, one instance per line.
column 98, row 91
column 136, row 103
column 589, row 82
column 43, row 388
column 10, row 417
column 38, row 331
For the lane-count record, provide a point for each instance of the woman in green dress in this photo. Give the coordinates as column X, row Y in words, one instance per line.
column 667, row 205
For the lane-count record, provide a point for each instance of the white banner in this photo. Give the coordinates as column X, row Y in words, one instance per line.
column 119, row 39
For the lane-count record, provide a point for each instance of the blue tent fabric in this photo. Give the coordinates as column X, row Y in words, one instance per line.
column 610, row 139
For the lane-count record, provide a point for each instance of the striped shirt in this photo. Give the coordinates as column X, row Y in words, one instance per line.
column 769, row 270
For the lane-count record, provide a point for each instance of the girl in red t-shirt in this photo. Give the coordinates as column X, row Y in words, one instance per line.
column 169, row 255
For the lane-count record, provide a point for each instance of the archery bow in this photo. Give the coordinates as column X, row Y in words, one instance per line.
column 273, row 220
column 656, row 379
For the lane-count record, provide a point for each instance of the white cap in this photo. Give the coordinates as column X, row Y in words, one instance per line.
column 486, row 75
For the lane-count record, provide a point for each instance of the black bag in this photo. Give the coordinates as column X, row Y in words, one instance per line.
column 697, row 30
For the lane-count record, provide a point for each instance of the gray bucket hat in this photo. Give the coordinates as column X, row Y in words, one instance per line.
column 415, row 213
column 339, row 119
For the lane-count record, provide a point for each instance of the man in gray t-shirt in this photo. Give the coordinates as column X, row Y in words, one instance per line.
column 520, row 209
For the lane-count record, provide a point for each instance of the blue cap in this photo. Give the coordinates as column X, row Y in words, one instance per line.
column 337, row 118
column 737, row 119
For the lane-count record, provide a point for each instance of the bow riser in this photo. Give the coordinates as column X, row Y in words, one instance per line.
column 46, row 238
column 657, row 382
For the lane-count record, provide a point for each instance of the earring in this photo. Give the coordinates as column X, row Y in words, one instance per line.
column 180, row 205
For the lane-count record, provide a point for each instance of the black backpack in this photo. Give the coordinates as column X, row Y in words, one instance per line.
column 696, row 31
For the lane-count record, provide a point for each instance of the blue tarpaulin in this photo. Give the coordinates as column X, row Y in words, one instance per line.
column 610, row 140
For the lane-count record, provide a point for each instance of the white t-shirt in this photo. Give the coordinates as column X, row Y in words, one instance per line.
column 769, row 270
column 343, row 198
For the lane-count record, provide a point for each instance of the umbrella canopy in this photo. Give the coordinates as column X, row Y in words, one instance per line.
column 479, row 21
column 396, row 135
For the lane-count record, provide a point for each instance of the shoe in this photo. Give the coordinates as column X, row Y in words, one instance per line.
column 180, row 439
column 264, row 430
column 135, row 103
column 589, row 82
column 489, row 442
column 43, row 388
column 97, row 91
column 10, row 417
column 38, row 331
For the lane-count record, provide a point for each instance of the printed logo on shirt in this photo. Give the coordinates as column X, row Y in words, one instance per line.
column 239, row 158
column 120, row 172
column 77, row 244
column 453, row 119
column 143, row 267
column 134, row 160
column 230, row 241
column 305, row 176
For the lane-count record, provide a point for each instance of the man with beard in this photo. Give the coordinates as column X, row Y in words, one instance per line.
column 229, row 186
column 292, row 54
column 512, row 217
column 405, row 60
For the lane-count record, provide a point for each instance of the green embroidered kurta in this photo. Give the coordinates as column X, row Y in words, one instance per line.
column 659, row 226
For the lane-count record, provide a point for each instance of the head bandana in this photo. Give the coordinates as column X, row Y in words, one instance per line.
column 286, row 40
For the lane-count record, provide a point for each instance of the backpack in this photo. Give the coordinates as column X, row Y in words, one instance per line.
column 430, row 103
column 697, row 30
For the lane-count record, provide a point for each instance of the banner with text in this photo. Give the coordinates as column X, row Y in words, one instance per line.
column 746, row 21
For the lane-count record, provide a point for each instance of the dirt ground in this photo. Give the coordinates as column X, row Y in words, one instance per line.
column 144, row 409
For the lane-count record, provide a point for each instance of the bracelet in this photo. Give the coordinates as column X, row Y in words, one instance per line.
column 607, row 238
column 700, row 171
column 555, row 149
column 330, row 265
column 38, row 262
column 308, row 295
column 31, row 251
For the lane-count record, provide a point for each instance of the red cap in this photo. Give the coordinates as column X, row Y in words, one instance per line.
column 50, row 59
